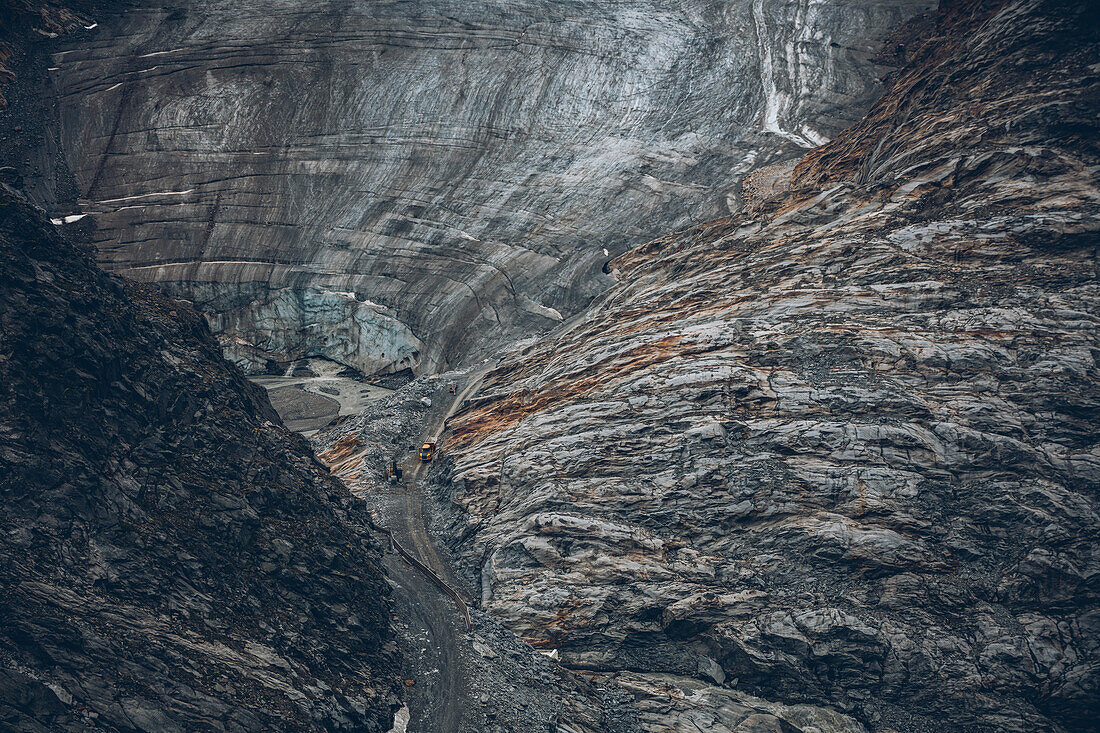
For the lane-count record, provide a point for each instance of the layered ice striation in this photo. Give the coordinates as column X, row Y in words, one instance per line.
column 463, row 165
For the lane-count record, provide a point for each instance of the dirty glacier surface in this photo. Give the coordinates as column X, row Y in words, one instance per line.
column 394, row 184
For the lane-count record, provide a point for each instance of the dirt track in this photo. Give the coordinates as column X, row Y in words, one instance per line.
column 435, row 624
column 440, row 706
column 414, row 488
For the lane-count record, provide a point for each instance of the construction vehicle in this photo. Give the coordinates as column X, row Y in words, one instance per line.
column 394, row 472
column 426, row 451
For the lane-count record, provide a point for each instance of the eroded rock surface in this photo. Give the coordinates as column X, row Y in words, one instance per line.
column 467, row 680
column 840, row 450
column 170, row 558
column 394, row 184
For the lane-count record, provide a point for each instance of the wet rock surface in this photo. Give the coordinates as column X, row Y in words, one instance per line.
column 171, row 558
column 838, row 451
column 303, row 411
column 395, row 184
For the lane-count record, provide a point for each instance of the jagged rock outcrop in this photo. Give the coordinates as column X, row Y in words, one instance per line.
column 840, row 450
column 394, row 184
column 171, row 559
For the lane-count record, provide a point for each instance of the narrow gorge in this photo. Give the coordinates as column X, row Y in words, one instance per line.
column 662, row 366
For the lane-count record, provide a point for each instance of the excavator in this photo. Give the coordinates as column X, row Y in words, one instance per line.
column 394, row 472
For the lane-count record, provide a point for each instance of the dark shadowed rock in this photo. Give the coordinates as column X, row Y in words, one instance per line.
column 171, row 559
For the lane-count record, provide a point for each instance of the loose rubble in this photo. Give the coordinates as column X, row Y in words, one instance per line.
column 506, row 685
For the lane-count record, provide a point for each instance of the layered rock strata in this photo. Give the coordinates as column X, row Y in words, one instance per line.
column 171, row 558
column 840, row 450
column 395, row 184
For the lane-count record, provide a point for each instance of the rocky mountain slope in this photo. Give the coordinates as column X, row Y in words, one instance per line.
column 171, row 559
column 841, row 448
column 394, row 184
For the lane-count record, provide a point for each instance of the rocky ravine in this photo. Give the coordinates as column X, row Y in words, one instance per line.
column 840, row 449
column 393, row 184
column 171, row 558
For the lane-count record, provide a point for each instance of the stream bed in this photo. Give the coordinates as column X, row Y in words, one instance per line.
column 314, row 391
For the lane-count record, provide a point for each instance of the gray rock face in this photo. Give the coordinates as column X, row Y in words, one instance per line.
column 393, row 184
column 841, row 450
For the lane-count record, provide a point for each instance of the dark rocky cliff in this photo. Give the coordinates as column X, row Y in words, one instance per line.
column 840, row 449
column 171, row 558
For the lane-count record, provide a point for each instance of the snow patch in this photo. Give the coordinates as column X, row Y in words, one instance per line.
column 401, row 720
column 158, row 53
column 773, row 98
column 147, row 195
column 68, row 219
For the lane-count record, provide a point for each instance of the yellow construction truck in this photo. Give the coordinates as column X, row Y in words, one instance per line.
column 427, row 451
